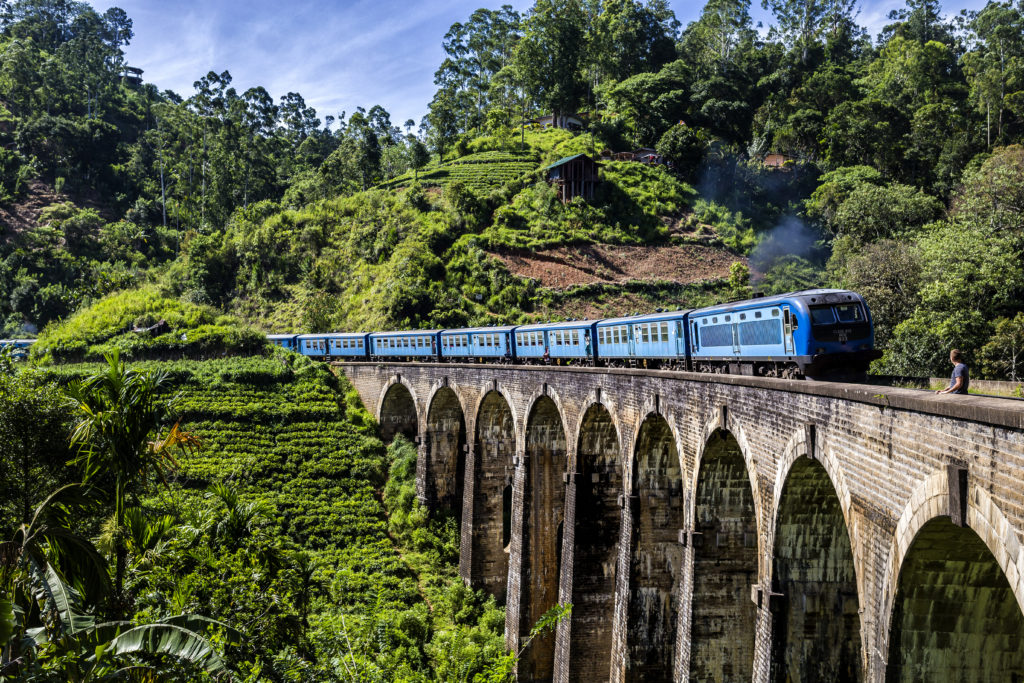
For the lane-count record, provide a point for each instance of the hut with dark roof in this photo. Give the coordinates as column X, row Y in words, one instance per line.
column 574, row 176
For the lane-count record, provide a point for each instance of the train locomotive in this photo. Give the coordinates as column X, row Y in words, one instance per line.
column 816, row 334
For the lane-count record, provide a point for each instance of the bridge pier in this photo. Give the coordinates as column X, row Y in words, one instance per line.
column 849, row 534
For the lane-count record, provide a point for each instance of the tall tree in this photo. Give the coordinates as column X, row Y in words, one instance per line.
column 710, row 42
column 551, row 55
column 806, row 23
column 477, row 50
column 631, row 37
column 995, row 68
column 118, row 413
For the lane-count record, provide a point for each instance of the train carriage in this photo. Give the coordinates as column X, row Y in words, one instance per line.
column 479, row 343
column 571, row 341
column 412, row 345
column 285, row 341
column 333, row 345
column 814, row 333
column 655, row 339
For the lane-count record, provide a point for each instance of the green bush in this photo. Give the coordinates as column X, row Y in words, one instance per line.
column 183, row 330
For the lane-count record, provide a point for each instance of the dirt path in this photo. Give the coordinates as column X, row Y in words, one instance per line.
column 566, row 267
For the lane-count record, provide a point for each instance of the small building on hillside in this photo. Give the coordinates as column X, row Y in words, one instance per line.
column 776, row 160
column 574, row 176
column 566, row 121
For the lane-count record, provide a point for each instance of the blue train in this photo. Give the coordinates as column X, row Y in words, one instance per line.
column 816, row 333
column 19, row 347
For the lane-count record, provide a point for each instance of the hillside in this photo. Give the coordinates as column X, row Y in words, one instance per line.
column 308, row 550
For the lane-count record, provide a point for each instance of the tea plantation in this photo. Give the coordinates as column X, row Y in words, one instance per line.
column 324, row 558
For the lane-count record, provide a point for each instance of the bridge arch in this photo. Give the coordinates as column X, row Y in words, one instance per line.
column 815, row 601
column 495, row 447
column 444, row 450
column 725, row 514
column 954, row 596
column 656, row 556
column 598, row 520
column 543, row 505
column 540, row 393
column 398, row 409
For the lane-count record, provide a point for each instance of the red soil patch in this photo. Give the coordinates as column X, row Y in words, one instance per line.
column 566, row 267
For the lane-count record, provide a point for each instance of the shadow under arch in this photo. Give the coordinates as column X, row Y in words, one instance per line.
column 725, row 565
column 596, row 548
column 975, row 615
column 954, row 617
column 815, row 611
column 397, row 413
column 494, row 449
column 445, row 452
column 542, row 529
column 656, row 557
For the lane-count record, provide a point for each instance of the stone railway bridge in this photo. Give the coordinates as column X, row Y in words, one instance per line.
column 721, row 528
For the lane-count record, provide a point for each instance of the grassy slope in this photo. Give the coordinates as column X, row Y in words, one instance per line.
column 394, row 258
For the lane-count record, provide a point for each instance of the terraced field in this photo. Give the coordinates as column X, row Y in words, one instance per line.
column 482, row 171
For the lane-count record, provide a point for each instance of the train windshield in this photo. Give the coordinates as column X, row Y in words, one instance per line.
column 822, row 315
column 842, row 313
column 849, row 313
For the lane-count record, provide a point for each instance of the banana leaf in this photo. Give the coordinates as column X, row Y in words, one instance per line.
column 168, row 639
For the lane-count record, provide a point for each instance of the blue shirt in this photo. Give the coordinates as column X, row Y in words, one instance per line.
column 960, row 371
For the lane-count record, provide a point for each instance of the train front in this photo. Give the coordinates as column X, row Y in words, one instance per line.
column 841, row 338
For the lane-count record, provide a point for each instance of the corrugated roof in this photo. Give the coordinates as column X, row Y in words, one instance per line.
column 565, row 160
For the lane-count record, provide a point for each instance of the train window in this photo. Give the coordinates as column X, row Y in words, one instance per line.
column 664, row 332
column 743, row 316
column 714, row 320
column 343, row 344
column 849, row 313
column 822, row 315
column 757, row 314
column 728, row 318
column 775, row 313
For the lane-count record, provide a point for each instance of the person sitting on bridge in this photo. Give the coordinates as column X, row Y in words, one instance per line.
column 960, row 379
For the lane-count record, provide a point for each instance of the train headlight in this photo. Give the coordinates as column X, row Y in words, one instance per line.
column 820, row 350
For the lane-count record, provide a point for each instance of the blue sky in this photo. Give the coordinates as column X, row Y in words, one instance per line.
column 339, row 54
